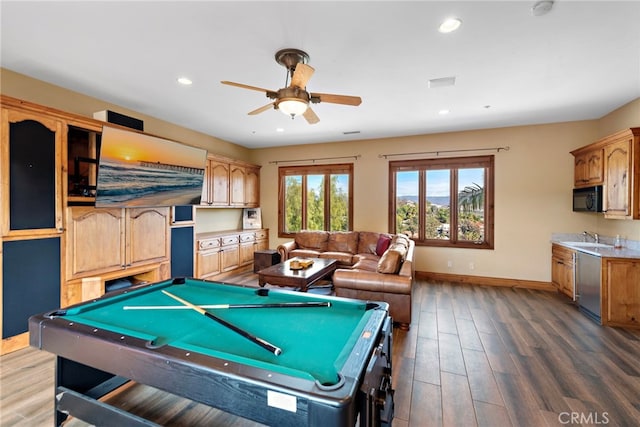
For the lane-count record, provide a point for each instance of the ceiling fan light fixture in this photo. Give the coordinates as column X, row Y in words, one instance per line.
column 292, row 107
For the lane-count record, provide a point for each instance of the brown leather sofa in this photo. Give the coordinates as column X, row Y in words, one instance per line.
column 371, row 266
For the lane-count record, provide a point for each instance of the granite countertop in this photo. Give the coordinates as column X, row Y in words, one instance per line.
column 630, row 249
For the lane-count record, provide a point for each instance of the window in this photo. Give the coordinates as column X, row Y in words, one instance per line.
column 443, row 202
column 315, row 198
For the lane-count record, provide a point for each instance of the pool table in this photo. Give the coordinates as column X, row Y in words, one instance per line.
column 334, row 365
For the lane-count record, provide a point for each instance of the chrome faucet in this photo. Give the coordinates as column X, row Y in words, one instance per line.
column 594, row 236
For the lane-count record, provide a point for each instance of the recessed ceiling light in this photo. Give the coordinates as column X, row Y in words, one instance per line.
column 279, row 130
column 450, row 25
column 184, row 81
column 443, row 112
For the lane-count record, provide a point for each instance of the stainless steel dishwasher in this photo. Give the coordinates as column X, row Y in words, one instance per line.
column 588, row 284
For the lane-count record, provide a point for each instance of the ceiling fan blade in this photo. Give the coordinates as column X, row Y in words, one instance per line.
column 310, row 116
column 259, row 89
column 336, row 99
column 301, row 75
column 261, row 109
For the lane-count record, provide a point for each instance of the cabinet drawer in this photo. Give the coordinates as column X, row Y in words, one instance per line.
column 261, row 234
column 208, row 244
column 230, row 240
column 248, row 237
column 562, row 252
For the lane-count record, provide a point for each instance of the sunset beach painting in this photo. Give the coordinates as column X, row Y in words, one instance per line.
column 142, row 170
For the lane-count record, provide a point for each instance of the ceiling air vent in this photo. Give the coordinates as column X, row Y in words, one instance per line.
column 442, row 82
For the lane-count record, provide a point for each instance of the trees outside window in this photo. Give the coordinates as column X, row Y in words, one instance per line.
column 443, row 202
column 315, row 198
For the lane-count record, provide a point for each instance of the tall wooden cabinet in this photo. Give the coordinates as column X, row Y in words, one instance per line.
column 31, row 224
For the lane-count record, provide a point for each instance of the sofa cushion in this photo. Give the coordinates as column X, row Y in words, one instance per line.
column 367, row 241
column 391, row 261
column 304, row 253
column 368, row 256
column 345, row 259
column 366, row 265
column 312, row 239
column 343, row 241
column 383, row 244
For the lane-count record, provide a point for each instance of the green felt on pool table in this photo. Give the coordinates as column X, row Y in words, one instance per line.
column 315, row 342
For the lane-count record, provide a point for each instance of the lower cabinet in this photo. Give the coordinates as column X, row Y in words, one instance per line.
column 104, row 240
column 223, row 252
column 230, row 253
column 30, row 285
column 562, row 270
column 621, row 292
column 110, row 244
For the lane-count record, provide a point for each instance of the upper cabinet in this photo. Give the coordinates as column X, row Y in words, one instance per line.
column 589, row 167
column 230, row 183
column 216, row 183
column 617, row 192
column 614, row 162
column 31, row 173
column 245, row 185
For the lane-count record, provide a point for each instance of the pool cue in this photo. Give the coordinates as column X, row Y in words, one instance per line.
column 262, row 343
column 230, row 306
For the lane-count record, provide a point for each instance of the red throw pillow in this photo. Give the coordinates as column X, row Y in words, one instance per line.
column 383, row 244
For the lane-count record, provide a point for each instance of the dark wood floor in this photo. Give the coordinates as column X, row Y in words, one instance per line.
column 474, row 355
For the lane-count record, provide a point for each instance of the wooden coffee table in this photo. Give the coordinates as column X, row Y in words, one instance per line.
column 282, row 274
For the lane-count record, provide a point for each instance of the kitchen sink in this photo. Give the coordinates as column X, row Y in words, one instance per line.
column 587, row 244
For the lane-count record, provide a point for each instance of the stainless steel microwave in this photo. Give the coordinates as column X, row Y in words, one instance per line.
column 588, row 199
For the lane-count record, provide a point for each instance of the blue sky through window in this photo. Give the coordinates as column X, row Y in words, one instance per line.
column 437, row 181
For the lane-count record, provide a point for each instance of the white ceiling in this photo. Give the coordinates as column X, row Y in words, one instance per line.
column 580, row 61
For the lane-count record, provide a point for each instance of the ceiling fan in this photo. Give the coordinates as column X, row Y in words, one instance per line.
column 293, row 100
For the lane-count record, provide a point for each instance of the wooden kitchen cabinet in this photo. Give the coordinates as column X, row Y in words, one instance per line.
column 250, row 242
column 617, row 192
column 614, row 162
column 244, row 186
column 621, row 292
column 247, row 247
column 208, row 257
column 230, row 183
column 262, row 239
column 562, row 270
column 147, row 235
column 226, row 251
column 589, row 167
column 216, row 183
column 230, row 253
column 103, row 240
